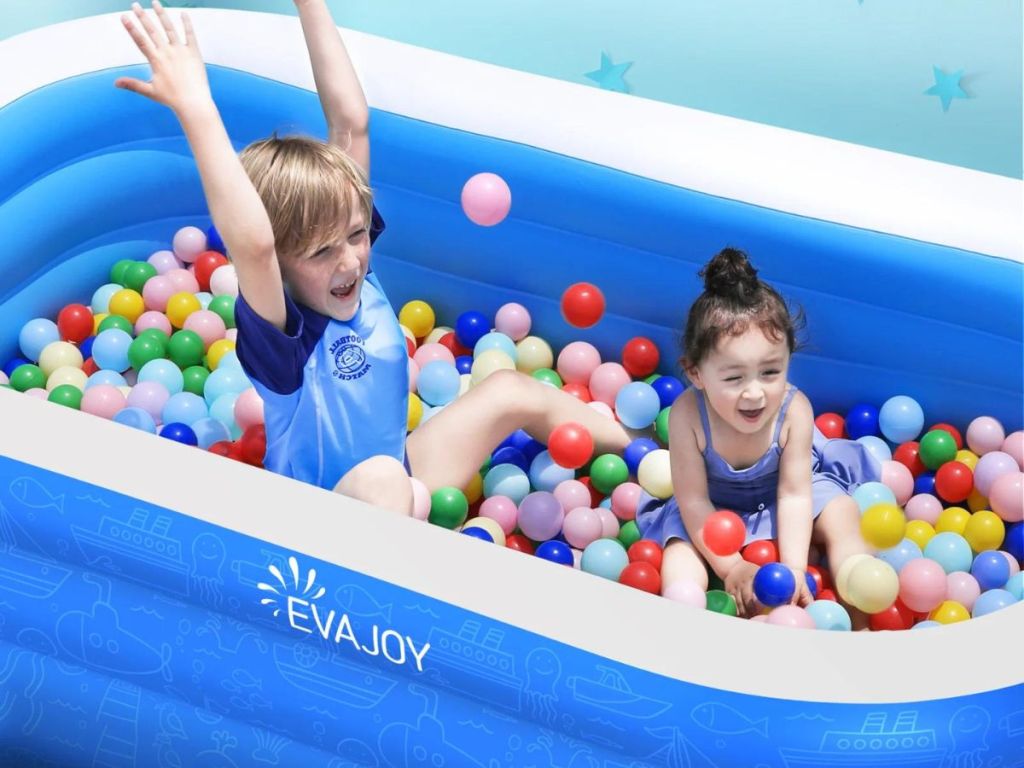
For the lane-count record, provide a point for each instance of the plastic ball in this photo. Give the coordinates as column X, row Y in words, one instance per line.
column 555, row 551
column 949, row 612
column 605, row 558
column 900, row 554
column 919, row 532
column 513, row 320
column 642, row 576
column 577, row 362
column 922, row 584
column 962, row 588
column 761, row 552
column 990, row 569
column 570, row 445
column 115, row 322
column 532, row 354
column 164, row 261
column 984, row 435
column 608, row 471
column 110, row 350
column 991, row 601
column 495, row 341
column 646, row 551
column 900, row 481
column 195, row 377
column 661, row 425
column 774, row 584
column 637, row 405
column 582, row 525
column 937, row 447
column 1015, row 586
column 954, row 481
column 950, row 550
column 206, row 264
column 842, row 574
column 180, row 306
column 470, row 327
column 640, row 357
column 872, row 585
column 100, row 302
column 924, row 483
column 686, row 591
column 493, row 530
column 501, row 510
column 871, row 493
column 209, row 431
column 1014, row 541
column 582, row 305
column 448, row 507
column 668, row 388
column 829, row 615
column 895, row 618
column 862, row 420
column 1013, row 446
column 188, row 243
column 179, row 433
column 507, row 480
column 831, row 425
column 67, row 395
column 607, row 380
column 433, row 353
column 877, row 447
column 909, row 455
column 59, row 354
column 414, row 413
column 136, row 418
column 127, row 304
column 1007, row 496
column 636, row 451
column 724, row 532
column 103, row 400
column 625, row 500
column 541, row 516
column 545, row 474
column 224, row 281
column 136, row 275
column 792, row 616
column 952, row 519
column 490, row 362
column 207, row 325
column 901, row 418
column 883, row 525
column 184, row 408
column 486, row 199
column 655, row 474
column 74, row 323
column 217, row 351
column 248, row 408
column 572, row 494
column 418, row 317
column 984, row 530
column 438, row 383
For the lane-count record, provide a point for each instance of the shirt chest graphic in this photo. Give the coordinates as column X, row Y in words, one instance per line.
column 348, row 357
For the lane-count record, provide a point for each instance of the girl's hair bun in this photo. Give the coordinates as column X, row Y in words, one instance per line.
column 730, row 276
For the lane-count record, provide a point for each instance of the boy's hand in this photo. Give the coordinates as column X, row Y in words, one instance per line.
column 739, row 583
column 179, row 74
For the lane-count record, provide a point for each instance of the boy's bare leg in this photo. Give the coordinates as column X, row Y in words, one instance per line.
column 381, row 481
column 450, row 448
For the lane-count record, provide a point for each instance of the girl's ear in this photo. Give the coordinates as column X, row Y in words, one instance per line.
column 692, row 374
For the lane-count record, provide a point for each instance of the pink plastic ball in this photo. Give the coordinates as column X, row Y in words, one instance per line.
column 984, row 435
column 1007, row 496
column 1014, row 446
column 899, row 479
column 103, row 400
column 150, row 396
column 248, row 409
column 625, row 499
column 792, row 616
column 224, row 281
column 924, row 507
column 38, row 393
column 606, row 381
column 157, row 291
column 486, row 199
column 922, row 584
column 991, row 466
column 577, row 361
column 603, row 408
column 432, row 352
column 1014, row 566
column 183, row 281
column 3, row 378
column 231, row 334
column 502, row 510
column 188, row 243
column 609, row 523
column 208, row 324
column 420, row 499
column 962, row 588
column 414, row 374
column 152, row 319
column 513, row 320
column 164, row 262
column 572, row 494
column 582, row 526
column 687, row 592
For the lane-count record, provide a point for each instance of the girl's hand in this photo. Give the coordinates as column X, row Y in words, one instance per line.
column 739, row 583
column 802, row 594
column 179, row 74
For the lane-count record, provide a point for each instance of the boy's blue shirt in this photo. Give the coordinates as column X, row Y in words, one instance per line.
column 335, row 393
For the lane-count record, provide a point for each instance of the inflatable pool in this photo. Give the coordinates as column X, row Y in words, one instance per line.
column 162, row 606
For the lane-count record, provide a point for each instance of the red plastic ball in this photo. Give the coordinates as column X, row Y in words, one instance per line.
column 957, row 438
column 643, row 576
column 221, row 448
column 519, row 543
column 827, row 594
column 640, row 357
column 570, row 445
column 410, row 346
column 954, row 481
column 724, row 532
column 74, row 323
column 831, row 425
column 456, row 347
column 645, row 551
column 204, row 266
column 894, row 618
column 819, row 580
column 89, row 366
column 578, row 390
column 252, row 445
column 582, row 305
column 595, row 495
column 909, row 455
column 761, row 552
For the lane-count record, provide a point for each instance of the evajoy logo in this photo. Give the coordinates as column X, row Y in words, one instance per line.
column 298, row 601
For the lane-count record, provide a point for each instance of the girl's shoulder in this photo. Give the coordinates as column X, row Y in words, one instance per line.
column 800, row 412
column 685, row 415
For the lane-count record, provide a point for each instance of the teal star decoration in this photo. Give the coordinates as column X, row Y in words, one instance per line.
column 947, row 87
column 609, row 76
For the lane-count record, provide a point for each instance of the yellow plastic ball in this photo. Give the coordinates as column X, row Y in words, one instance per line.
column 465, row 382
column 919, row 532
column 491, row 526
column 66, row 374
column 488, row 362
column 655, row 474
column 843, row 574
column 128, row 304
column 872, row 585
column 418, row 317
column 952, row 520
column 415, row 412
column 97, row 319
column 475, row 489
column 985, row 530
column 437, row 334
column 533, row 353
column 976, row 502
column 949, row 612
column 58, row 354
column 217, row 350
column 967, row 457
column 883, row 525
column 180, row 306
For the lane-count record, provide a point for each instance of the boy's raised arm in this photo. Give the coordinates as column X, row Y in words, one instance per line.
column 337, row 85
column 179, row 82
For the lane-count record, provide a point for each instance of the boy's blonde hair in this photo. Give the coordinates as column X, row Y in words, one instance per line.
column 307, row 187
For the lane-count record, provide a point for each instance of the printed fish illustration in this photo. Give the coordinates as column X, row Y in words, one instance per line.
column 245, row 679
column 358, row 602
column 723, row 719
column 30, row 493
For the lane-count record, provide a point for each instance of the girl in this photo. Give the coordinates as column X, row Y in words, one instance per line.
column 743, row 438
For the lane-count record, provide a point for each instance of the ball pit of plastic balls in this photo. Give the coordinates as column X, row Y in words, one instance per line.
column 153, row 349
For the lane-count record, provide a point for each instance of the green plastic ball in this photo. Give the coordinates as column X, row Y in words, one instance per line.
column 185, row 349
column 937, row 447
column 144, row 349
column 608, row 471
column 548, row 376
column 117, row 321
column 66, row 395
column 117, row 271
column 27, row 376
column 137, row 273
column 225, row 307
column 661, row 425
column 629, row 534
column 652, row 378
column 721, row 602
column 195, row 379
column 448, row 507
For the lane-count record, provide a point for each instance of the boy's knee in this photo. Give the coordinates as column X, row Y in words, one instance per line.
column 371, row 474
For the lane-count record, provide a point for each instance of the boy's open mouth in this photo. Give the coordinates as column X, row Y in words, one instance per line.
column 344, row 291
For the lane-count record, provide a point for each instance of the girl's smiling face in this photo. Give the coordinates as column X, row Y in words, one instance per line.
column 744, row 379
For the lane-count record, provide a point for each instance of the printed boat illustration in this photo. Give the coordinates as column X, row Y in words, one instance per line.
column 903, row 743
column 137, row 549
column 250, row 574
column 311, row 669
column 613, row 694
column 28, row 575
column 119, row 719
column 473, row 654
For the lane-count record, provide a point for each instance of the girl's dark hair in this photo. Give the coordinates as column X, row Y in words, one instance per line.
column 733, row 298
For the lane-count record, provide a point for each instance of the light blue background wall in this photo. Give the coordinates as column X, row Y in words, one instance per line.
column 838, row 68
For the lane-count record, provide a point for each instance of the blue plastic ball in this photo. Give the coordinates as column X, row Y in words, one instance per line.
column 214, row 241
column 163, row 372
column 100, row 303
column 545, row 474
column 510, row 455
column 901, row 419
column 991, row 601
column 637, row 405
column 13, row 364
column 830, row 615
column 136, row 418
column 86, row 347
column 774, row 584
column 877, row 447
column 179, row 433
column 636, row 451
column 498, row 341
column 668, row 389
column 184, row 408
column 209, row 431
column 35, row 335
column 1015, row 586
column 901, row 554
column 950, row 550
column 478, row 533
column 925, row 483
column 928, row 624
column 113, row 378
column 438, row 383
column 1014, row 541
column 556, row 551
column 470, row 327
column 110, row 350
column 464, row 364
column 812, row 585
column 507, row 480
column 225, row 381
column 223, row 410
column 991, row 569
column 605, row 558
column 862, row 420
column 871, row 493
